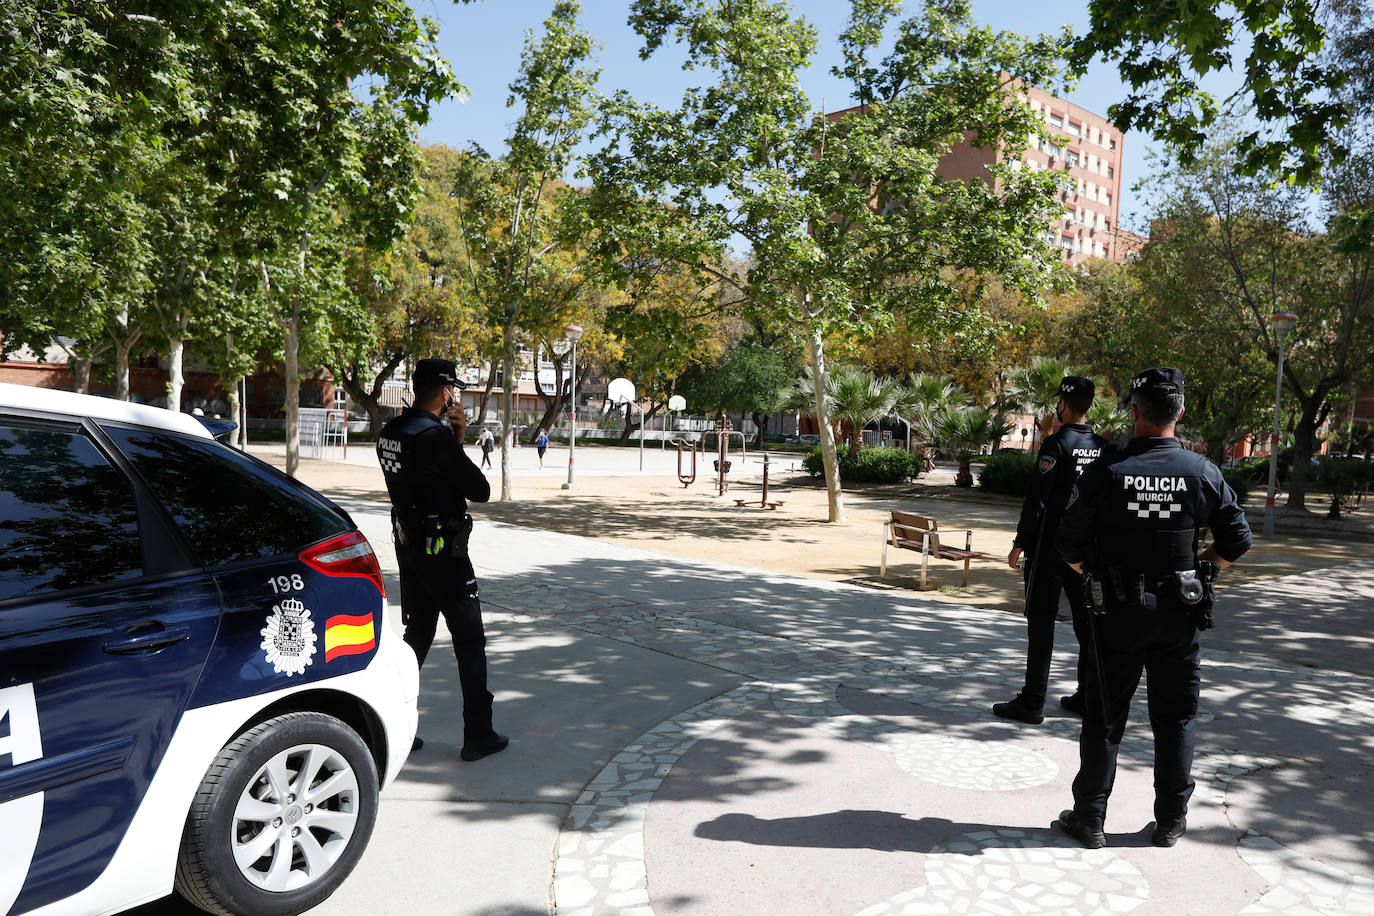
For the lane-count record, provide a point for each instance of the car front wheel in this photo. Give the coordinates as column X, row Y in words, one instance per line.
column 281, row 818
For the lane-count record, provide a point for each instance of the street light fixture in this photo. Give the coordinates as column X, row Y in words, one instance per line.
column 573, row 333
column 1283, row 323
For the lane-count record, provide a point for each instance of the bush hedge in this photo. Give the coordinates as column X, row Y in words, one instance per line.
column 874, row 464
column 1008, row 473
column 1242, row 480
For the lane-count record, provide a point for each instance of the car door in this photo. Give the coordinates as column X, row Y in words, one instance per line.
column 105, row 626
column 284, row 621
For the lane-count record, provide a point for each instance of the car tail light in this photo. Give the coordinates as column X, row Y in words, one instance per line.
column 346, row 555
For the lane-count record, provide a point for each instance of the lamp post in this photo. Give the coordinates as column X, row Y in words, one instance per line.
column 574, row 333
column 1283, row 322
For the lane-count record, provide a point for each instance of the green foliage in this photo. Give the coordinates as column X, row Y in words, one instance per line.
column 1008, row 473
column 869, row 465
column 746, row 379
column 1343, row 477
column 1240, row 481
column 751, row 157
column 1166, row 50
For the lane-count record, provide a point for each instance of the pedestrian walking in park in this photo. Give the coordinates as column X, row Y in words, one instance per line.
column 430, row 480
column 541, row 442
column 1063, row 456
column 1132, row 522
column 487, row 442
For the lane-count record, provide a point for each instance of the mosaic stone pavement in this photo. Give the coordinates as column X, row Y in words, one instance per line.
column 600, row 864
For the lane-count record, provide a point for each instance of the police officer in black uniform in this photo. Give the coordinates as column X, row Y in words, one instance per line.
column 430, row 479
column 1063, row 456
column 1134, row 520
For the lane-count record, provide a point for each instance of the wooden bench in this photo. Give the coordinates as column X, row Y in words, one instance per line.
column 908, row 531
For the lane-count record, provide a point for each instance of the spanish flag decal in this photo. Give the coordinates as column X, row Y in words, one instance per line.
column 348, row 635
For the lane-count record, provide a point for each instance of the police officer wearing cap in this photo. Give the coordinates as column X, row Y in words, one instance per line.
column 1063, row 456
column 430, row 479
column 1134, row 521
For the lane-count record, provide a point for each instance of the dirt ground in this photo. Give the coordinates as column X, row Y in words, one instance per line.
column 658, row 513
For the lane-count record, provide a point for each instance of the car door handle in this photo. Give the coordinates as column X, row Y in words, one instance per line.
column 146, row 641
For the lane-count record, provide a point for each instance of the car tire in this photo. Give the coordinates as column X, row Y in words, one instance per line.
column 281, row 818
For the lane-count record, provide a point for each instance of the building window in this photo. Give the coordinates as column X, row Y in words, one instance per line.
column 1056, row 121
column 1109, row 200
column 1110, row 172
column 1071, row 157
column 1075, row 129
column 1111, row 144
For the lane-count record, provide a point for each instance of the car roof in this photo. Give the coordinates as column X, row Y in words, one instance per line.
column 50, row 400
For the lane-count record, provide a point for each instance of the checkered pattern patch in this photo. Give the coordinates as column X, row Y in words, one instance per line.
column 1145, row 510
column 390, row 464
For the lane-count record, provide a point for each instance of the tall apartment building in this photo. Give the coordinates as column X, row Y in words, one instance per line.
column 1085, row 150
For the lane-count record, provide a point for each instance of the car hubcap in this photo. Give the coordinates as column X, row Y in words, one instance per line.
column 294, row 819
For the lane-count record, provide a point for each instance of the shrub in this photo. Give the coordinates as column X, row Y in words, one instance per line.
column 1344, row 477
column 874, row 464
column 1241, row 480
column 1008, row 473
column 1255, row 470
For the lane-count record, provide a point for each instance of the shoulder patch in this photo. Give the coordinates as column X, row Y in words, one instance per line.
column 1047, row 463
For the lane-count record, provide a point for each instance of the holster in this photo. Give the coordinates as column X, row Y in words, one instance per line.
column 1127, row 590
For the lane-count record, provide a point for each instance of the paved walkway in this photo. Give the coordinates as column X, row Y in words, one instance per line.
column 694, row 738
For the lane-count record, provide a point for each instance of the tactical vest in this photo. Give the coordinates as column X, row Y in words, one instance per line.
column 1154, row 503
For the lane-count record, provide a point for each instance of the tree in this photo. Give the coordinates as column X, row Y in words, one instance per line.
column 847, row 221
column 523, row 227
column 925, row 396
column 1250, row 253
column 964, row 432
column 319, row 151
column 411, row 305
column 1035, row 388
column 747, row 379
column 1166, row 50
column 859, row 398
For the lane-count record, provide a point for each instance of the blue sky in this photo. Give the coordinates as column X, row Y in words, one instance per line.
column 483, row 41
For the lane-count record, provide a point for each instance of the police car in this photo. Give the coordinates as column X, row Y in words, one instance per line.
column 197, row 686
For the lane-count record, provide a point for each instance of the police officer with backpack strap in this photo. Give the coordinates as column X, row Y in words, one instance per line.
column 1134, row 520
column 430, row 479
column 1063, row 456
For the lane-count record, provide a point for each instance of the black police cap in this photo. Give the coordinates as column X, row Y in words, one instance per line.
column 1074, row 385
column 437, row 372
column 1160, row 379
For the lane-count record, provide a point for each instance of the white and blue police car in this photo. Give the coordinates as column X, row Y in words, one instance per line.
column 197, row 688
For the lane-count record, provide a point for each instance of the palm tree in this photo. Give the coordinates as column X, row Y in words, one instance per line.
column 1035, row 389
column 963, row 431
column 860, row 397
column 923, row 397
column 1106, row 418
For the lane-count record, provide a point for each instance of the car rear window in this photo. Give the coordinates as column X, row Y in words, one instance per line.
column 67, row 516
column 229, row 507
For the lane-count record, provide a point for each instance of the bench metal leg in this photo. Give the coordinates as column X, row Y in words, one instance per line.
column 882, row 568
column 925, row 557
column 966, row 559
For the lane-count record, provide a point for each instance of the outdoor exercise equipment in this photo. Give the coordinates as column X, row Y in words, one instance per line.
column 687, row 480
column 763, row 500
column 724, row 429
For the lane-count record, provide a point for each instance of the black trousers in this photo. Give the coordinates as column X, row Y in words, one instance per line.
column 446, row 585
column 1043, row 584
column 1166, row 646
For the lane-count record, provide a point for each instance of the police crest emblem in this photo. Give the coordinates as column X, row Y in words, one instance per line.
column 1046, row 463
column 289, row 637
